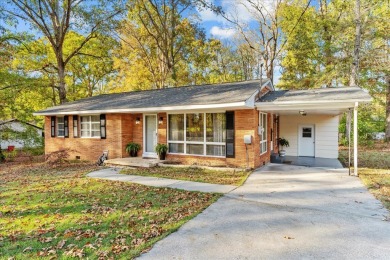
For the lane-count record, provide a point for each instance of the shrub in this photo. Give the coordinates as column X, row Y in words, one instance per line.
column 58, row 157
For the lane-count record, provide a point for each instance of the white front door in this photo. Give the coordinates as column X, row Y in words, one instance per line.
column 150, row 135
column 306, row 140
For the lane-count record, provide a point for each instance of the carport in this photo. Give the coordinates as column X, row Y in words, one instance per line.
column 309, row 119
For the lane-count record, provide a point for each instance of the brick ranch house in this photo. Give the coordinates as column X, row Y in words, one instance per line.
column 203, row 125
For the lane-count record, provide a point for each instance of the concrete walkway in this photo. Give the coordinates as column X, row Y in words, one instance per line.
column 286, row 212
column 113, row 174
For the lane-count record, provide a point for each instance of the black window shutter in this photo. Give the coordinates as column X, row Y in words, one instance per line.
column 103, row 126
column 53, row 126
column 66, row 126
column 75, row 126
column 230, row 134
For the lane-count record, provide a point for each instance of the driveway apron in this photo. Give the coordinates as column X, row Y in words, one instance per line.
column 286, row 212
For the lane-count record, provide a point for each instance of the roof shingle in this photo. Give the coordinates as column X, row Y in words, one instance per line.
column 323, row 94
column 168, row 97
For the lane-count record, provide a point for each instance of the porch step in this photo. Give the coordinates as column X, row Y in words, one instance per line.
column 132, row 162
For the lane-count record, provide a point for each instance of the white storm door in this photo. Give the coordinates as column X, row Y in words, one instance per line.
column 306, row 140
column 150, row 134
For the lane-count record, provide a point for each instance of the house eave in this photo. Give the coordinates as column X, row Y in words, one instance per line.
column 235, row 105
column 294, row 105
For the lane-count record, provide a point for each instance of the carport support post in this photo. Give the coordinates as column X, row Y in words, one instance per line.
column 355, row 139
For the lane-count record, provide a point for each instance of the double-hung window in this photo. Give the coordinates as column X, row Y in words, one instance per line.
column 197, row 134
column 263, row 132
column 60, row 127
column 90, row 126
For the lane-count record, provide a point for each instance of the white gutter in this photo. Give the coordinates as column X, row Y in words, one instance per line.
column 293, row 105
column 242, row 105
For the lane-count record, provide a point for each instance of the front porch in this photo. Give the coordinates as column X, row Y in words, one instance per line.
column 312, row 162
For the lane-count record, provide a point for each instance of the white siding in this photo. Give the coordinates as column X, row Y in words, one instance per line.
column 326, row 133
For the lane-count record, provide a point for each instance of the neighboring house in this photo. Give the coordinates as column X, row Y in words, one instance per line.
column 19, row 134
column 203, row 124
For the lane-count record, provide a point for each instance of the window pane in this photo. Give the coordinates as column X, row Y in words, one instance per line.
column 215, row 127
column 306, row 132
column 60, row 126
column 195, row 149
column 95, row 126
column 265, row 126
column 84, row 126
column 95, row 119
column 176, row 148
column 215, row 150
column 95, row 133
column 176, row 127
column 85, row 133
column 195, row 127
column 90, row 126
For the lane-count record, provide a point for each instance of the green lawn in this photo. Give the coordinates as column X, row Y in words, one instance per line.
column 59, row 213
column 192, row 174
column 375, row 159
column 378, row 182
column 374, row 170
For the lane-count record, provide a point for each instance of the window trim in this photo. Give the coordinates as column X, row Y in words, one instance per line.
column 265, row 138
column 58, row 128
column 185, row 142
column 90, row 127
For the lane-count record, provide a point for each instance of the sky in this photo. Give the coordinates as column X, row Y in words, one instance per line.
column 215, row 25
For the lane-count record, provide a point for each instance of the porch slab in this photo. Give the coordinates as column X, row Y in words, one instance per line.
column 313, row 162
column 133, row 162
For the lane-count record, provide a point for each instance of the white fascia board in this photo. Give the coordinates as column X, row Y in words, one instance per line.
column 250, row 102
column 241, row 105
column 309, row 104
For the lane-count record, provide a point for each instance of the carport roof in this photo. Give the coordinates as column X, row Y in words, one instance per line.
column 317, row 95
column 331, row 101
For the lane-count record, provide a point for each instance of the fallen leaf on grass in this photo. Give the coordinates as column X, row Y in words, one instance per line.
column 27, row 249
column 61, row 244
column 75, row 252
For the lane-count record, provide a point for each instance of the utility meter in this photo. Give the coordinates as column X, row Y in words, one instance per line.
column 247, row 139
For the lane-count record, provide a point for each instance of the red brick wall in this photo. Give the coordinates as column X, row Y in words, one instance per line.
column 138, row 132
column 90, row 148
column 126, row 132
column 122, row 129
column 162, row 128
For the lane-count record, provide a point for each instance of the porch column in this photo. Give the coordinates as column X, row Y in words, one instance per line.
column 355, row 139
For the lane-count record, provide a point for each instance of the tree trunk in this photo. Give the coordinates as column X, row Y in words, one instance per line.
column 61, row 77
column 355, row 64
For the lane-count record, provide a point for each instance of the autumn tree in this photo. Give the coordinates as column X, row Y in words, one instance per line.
column 55, row 19
column 156, row 40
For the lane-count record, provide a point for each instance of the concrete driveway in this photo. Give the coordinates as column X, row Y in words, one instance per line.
column 286, row 212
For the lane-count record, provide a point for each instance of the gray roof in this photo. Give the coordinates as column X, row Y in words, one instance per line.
column 167, row 97
column 316, row 95
column 17, row 120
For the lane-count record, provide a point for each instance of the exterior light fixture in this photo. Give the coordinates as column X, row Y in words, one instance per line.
column 161, row 120
column 137, row 121
column 302, row 112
